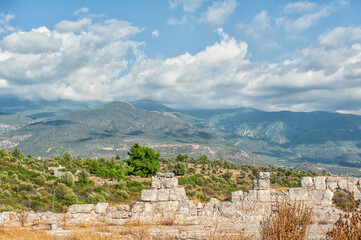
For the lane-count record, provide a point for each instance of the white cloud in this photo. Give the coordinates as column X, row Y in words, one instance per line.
column 218, row 12
column 5, row 23
column 294, row 27
column 189, row 6
column 74, row 65
column 300, row 7
column 101, row 62
column 70, row 26
column 259, row 26
column 81, row 10
column 155, row 34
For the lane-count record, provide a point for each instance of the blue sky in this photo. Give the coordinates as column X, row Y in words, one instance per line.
column 270, row 55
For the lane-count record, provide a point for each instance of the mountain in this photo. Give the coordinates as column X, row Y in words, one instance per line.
column 112, row 128
column 9, row 123
column 317, row 137
column 42, row 109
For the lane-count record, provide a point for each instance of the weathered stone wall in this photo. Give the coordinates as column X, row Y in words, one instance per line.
column 166, row 201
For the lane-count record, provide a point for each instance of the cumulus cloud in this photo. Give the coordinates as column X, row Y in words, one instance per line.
column 55, row 64
column 71, row 26
column 218, row 12
column 173, row 21
column 102, row 62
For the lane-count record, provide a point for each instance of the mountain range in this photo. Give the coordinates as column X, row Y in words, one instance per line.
column 322, row 141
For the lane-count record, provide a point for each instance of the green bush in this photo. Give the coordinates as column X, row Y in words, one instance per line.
column 122, row 193
column 95, row 198
column 67, row 179
column 180, row 169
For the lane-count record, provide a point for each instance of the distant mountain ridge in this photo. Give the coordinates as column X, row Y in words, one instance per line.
column 314, row 140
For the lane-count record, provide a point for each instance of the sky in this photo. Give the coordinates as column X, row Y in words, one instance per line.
column 187, row 54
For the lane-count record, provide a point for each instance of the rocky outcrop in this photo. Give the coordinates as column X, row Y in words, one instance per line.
column 165, row 201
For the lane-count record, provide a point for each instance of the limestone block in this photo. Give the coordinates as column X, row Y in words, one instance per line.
column 342, row 184
column 264, row 175
column 188, row 209
column 228, row 210
column 251, row 195
column 156, row 183
column 162, row 195
column 351, row 187
column 328, row 195
column 264, row 195
column 332, row 185
column 306, row 182
column 165, row 174
column 332, row 179
column 177, row 194
column 120, row 215
column 263, row 184
column 80, row 208
column 199, row 206
column 320, row 183
column 237, row 196
column 111, row 209
column 170, row 182
column 149, row 195
column 298, row 194
column 124, row 208
column 116, row 222
column 101, row 208
column 316, row 195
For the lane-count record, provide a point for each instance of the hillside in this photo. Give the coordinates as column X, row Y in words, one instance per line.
column 111, row 129
column 8, row 123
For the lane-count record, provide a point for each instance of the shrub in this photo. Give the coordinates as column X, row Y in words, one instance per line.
column 348, row 227
column 143, row 160
column 67, row 179
column 289, row 221
column 122, row 193
column 40, row 180
column 84, row 176
column 180, row 169
column 95, row 198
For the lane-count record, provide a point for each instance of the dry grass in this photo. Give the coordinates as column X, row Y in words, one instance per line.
column 347, row 227
column 290, row 221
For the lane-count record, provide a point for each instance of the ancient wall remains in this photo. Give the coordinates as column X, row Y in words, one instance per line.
column 166, row 201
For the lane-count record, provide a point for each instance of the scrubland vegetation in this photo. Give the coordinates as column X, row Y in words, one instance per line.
column 27, row 183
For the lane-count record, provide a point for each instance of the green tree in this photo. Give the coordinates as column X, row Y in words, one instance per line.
column 180, row 169
column 67, row 179
column 84, row 176
column 143, row 160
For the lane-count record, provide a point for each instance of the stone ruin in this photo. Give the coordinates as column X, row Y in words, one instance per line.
column 166, row 207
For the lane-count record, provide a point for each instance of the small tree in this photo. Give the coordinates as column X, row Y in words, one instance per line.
column 143, row 160
column 83, row 177
column 68, row 179
column 180, row 169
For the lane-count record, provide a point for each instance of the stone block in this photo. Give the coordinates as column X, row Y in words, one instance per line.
column 125, row 208
column 316, row 195
column 298, row 194
column 264, row 195
column 165, row 174
column 264, row 175
column 177, row 194
column 306, row 182
column 332, row 185
column 342, row 184
column 81, row 208
column 101, row 208
column 237, row 196
column 251, row 195
column 163, row 195
column 120, row 215
column 149, row 195
column 328, row 195
column 319, row 183
column 170, row 183
column 156, row 183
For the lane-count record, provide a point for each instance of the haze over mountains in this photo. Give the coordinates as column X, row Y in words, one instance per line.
column 315, row 140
